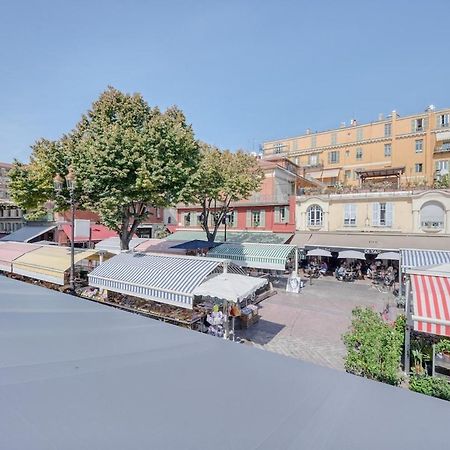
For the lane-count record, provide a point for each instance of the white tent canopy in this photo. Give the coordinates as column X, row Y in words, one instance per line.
column 230, row 287
column 319, row 252
column 394, row 256
column 351, row 254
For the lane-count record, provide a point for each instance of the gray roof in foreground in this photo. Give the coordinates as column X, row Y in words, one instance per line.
column 79, row 375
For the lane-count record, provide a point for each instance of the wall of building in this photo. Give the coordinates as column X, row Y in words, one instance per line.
column 362, row 146
column 406, row 209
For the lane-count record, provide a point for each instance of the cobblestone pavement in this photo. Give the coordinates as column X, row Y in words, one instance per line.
column 309, row 325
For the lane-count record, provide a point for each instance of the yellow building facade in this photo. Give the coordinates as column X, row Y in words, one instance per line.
column 414, row 149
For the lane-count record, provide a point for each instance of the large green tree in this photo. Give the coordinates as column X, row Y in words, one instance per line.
column 126, row 157
column 222, row 178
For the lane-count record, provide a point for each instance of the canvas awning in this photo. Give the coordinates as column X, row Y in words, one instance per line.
column 263, row 237
column 316, row 174
column 351, row 254
column 431, row 303
column 28, row 233
column 258, row 256
column 319, row 252
column 163, row 278
column 393, row 256
column 10, row 251
column 48, row 263
column 330, row 173
column 419, row 258
column 98, row 233
column 112, row 244
column 443, row 136
column 230, row 287
column 160, row 246
column 368, row 242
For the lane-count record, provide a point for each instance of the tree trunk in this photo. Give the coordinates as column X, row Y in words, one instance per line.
column 125, row 239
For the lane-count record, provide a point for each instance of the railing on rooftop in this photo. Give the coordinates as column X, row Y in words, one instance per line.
column 442, row 148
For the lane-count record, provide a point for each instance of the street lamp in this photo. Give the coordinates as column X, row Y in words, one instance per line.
column 58, row 183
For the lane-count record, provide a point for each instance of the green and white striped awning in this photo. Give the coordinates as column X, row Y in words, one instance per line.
column 258, row 256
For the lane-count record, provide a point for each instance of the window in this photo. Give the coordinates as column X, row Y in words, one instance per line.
column 313, row 141
column 350, row 215
column 419, row 167
column 281, row 214
column 443, row 120
column 333, row 157
column 359, row 153
column 256, row 218
column 333, row 138
column 231, row 218
column 315, row 216
column 382, row 214
column 387, row 150
column 278, row 147
column 432, row 215
column 442, row 167
column 418, row 125
column 347, row 153
column 387, row 129
column 419, row 145
column 348, row 174
column 359, row 134
column 313, row 160
column 187, row 220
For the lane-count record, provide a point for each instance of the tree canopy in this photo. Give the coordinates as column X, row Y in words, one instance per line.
column 222, row 177
column 126, row 157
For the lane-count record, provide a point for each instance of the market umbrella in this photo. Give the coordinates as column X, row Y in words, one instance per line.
column 319, row 252
column 196, row 244
column 351, row 254
column 389, row 255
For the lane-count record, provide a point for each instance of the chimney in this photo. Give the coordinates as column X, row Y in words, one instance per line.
column 381, row 116
column 342, row 125
column 308, row 131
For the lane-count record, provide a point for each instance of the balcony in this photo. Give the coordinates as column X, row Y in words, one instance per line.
column 263, row 199
column 442, row 148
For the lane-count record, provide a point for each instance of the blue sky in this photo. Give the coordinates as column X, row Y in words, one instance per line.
column 243, row 71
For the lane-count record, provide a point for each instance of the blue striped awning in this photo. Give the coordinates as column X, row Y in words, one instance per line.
column 419, row 258
column 162, row 278
column 258, row 256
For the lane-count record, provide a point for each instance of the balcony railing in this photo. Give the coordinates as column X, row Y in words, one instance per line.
column 432, row 224
column 261, row 199
column 443, row 148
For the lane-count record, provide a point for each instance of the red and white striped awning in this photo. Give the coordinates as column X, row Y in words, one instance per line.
column 431, row 297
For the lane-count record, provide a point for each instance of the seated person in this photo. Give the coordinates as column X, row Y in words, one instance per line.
column 323, row 268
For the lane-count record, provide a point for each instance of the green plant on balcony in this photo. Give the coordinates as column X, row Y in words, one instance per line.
column 442, row 346
column 442, row 182
column 435, row 387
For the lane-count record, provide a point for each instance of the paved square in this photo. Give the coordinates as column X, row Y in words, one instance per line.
column 309, row 325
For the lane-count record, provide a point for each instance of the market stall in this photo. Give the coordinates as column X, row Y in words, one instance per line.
column 10, row 251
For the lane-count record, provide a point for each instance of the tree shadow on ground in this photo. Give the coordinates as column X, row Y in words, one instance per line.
column 261, row 332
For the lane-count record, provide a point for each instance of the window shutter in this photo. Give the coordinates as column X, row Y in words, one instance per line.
column 286, row 214
column 277, row 214
column 329, row 157
column 353, row 213
column 375, row 214
column 249, row 218
column 389, row 214
column 262, row 216
column 413, row 125
column 438, row 121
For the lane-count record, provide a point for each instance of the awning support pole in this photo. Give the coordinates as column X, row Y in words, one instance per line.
column 296, row 261
column 407, row 365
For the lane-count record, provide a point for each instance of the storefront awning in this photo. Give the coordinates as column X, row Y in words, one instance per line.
column 28, row 233
column 10, row 251
column 98, row 233
column 258, row 256
column 317, row 174
column 162, row 278
column 263, row 237
column 330, row 173
column 48, row 263
column 230, row 287
column 443, row 136
column 369, row 242
column 112, row 244
column 420, row 258
column 431, row 304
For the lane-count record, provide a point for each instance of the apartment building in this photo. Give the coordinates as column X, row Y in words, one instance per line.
column 270, row 209
column 11, row 217
column 374, row 220
column 399, row 151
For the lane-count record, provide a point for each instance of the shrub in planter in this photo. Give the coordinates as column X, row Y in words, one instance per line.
column 435, row 387
column 443, row 346
column 374, row 347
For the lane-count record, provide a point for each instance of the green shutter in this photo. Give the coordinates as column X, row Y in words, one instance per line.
column 413, row 125
column 262, row 215
column 277, row 214
column 375, row 214
column 425, row 123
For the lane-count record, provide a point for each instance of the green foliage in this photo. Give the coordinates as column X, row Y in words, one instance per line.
column 433, row 386
column 126, row 157
column 420, row 352
column 442, row 346
column 374, row 347
column 443, row 182
column 222, row 177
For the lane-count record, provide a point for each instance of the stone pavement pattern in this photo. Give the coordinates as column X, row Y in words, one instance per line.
column 309, row 325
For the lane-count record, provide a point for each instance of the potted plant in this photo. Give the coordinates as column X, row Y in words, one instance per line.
column 443, row 347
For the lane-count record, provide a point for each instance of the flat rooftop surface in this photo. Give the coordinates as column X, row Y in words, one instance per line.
column 79, row 375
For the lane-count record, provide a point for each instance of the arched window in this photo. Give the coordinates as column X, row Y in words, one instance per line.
column 315, row 216
column 432, row 215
